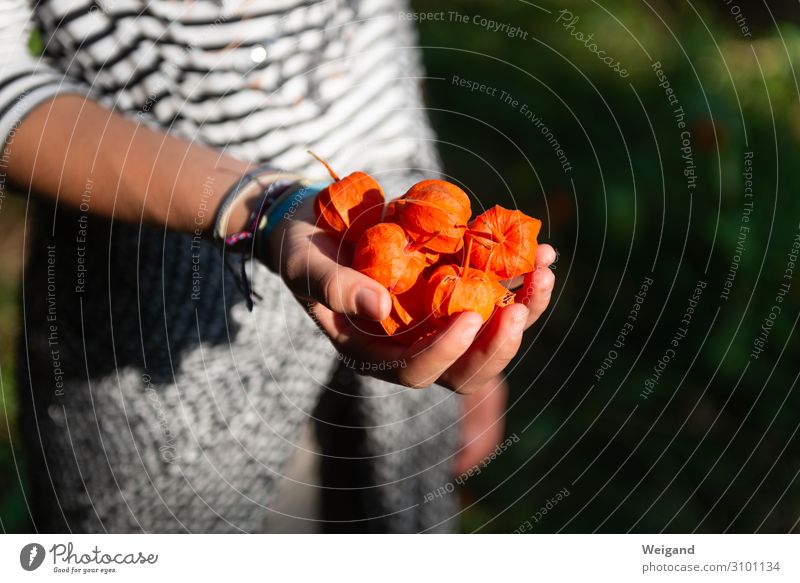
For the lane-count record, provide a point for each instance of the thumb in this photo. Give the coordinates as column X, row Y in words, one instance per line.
column 342, row 289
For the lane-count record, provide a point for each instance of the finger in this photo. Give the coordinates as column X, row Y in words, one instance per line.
column 536, row 292
column 318, row 276
column 429, row 358
column 545, row 255
column 423, row 362
column 351, row 338
column 496, row 346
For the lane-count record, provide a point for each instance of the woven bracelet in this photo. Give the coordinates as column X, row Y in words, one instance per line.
column 277, row 200
column 264, row 177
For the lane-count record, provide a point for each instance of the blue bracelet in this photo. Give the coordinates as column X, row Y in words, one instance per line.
column 283, row 208
column 286, row 206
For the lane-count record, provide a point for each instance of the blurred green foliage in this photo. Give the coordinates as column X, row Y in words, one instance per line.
column 13, row 507
column 713, row 447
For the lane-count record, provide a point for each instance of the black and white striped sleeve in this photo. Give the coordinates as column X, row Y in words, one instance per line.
column 25, row 81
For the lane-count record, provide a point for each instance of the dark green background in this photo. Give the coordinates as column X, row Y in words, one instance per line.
column 714, row 447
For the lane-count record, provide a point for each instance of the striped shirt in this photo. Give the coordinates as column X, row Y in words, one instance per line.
column 262, row 79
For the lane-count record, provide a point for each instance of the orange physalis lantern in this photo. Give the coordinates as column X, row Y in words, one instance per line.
column 409, row 314
column 349, row 205
column 505, row 242
column 436, row 212
column 403, row 253
column 451, row 290
column 385, row 254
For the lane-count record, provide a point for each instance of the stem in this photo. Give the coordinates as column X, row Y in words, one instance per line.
column 489, row 260
column 485, row 239
column 467, row 252
column 412, row 247
column 324, row 163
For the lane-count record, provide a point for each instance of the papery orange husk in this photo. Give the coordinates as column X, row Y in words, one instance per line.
column 504, row 242
column 399, row 317
column 433, row 211
column 410, row 320
column 453, row 289
column 408, row 308
column 385, row 254
column 349, row 205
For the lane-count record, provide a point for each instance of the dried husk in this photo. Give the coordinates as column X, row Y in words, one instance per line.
column 504, row 242
column 350, row 205
column 385, row 254
column 453, row 289
column 436, row 212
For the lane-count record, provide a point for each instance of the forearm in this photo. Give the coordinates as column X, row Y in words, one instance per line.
column 70, row 144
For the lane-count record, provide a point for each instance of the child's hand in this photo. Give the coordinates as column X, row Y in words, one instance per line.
column 463, row 356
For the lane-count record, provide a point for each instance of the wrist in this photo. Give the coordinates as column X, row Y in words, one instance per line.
column 247, row 197
column 224, row 178
column 241, row 209
column 241, row 216
column 292, row 204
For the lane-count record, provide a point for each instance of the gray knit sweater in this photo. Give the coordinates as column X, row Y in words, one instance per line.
column 152, row 399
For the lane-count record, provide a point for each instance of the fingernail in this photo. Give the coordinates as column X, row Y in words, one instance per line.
column 368, row 304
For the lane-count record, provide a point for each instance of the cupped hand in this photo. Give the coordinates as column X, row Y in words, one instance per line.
column 463, row 356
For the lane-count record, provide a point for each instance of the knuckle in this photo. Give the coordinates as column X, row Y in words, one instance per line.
column 293, row 268
column 494, row 361
column 328, row 286
column 544, row 278
column 508, row 352
column 504, row 360
column 467, row 389
column 412, row 383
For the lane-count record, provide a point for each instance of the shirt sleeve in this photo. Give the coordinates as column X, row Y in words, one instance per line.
column 25, row 80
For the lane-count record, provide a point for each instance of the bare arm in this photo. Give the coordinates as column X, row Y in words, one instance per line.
column 142, row 174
